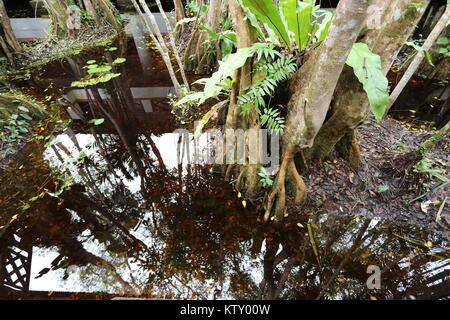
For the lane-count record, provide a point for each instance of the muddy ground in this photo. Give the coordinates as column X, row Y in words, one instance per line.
column 384, row 184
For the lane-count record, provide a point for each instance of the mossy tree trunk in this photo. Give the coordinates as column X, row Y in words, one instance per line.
column 428, row 145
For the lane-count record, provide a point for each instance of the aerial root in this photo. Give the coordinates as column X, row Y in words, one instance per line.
column 287, row 175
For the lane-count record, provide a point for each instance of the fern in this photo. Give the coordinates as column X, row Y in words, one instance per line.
column 274, row 71
column 273, row 119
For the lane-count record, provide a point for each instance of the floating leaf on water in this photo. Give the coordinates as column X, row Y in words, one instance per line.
column 119, row 60
column 97, row 121
column 300, row 225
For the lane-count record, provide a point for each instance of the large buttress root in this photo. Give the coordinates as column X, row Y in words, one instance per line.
column 287, row 175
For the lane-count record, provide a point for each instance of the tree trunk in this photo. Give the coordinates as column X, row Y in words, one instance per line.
column 8, row 42
column 102, row 11
column 198, row 55
column 90, row 10
column 313, row 87
column 179, row 15
column 172, row 43
column 158, row 40
column 246, row 37
column 7, row 29
column 179, row 10
column 351, row 106
column 445, row 18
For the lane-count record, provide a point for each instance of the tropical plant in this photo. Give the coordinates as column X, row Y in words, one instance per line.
column 367, row 68
column 227, row 38
column 14, row 128
column 265, row 177
column 270, row 71
column 98, row 73
column 443, row 46
column 220, row 80
column 292, row 21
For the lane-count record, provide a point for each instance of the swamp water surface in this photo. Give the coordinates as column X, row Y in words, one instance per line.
column 116, row 208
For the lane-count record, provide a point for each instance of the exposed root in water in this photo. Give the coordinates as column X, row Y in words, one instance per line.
column 287, row 175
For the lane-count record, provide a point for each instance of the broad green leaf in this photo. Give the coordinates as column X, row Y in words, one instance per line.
column 442, row 41
column 367, row 68
column 119, row 60
column 26, row 116
column 97, row 122
column 268, row 13
column 100, row 69
column 218, row 81
column 298, row 17
column 324, row 27
column 254, row 22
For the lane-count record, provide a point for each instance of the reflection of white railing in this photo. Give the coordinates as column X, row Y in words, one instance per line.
column 142, row 95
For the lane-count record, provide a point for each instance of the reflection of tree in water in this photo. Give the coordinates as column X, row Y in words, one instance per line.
column 184, row 234
column 196, row 239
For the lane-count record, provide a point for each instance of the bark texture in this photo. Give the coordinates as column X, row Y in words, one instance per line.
column 8, row 42
column 313, row 88
column 350, row 104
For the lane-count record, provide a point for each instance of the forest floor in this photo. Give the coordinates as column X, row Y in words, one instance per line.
column 385, row 183
column 42, row 51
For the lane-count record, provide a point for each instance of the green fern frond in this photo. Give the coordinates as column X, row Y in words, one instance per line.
column 273, row 119
column 275, row 68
